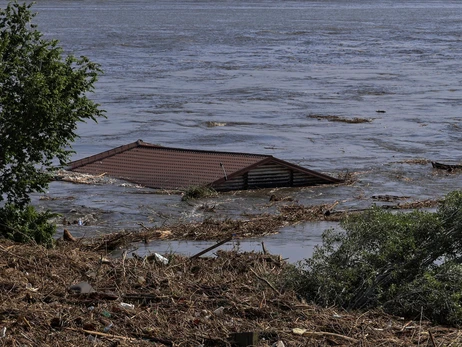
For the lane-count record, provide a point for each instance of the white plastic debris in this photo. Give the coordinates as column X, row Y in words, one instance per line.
column 127, row 306
column 3, row 334
column 161, row 258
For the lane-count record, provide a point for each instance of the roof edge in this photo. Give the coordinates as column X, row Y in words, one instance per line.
column 140, row 143
column 91, row 159
column 149, row 145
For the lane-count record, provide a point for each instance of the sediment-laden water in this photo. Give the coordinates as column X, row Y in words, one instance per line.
column 253, row 76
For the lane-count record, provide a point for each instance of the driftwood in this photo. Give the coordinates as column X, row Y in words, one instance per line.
column 325, row 333
column 333, row 118
column 212, row 247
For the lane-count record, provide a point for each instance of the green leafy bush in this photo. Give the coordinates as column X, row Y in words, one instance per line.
column 26, row 225
column 405, row 263
column 438, row 294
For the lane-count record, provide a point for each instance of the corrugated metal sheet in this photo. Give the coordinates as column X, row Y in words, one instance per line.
column 174, row 168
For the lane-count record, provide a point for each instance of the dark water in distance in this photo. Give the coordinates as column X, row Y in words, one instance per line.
column 246, row 76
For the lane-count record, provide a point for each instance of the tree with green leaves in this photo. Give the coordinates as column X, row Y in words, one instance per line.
column 43, row 96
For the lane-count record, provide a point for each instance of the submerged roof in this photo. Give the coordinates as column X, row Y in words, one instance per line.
column 175, row 168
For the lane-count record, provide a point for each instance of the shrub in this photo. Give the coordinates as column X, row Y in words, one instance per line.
column 26, row 225
column 438, row 293
column 402, row 262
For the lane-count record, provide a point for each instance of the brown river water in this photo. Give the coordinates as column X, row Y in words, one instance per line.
column 262, row 71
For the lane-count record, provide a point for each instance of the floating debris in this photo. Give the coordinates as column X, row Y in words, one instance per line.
column 83, row 178
column 428, row 203
column 332, row 118
column 215, row 124
column 418, row 161
column 389, row 197
column 447, row 167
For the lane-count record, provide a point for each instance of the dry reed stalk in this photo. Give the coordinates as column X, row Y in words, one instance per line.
column 179, row 303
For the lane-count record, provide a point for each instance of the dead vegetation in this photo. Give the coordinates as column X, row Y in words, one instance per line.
column 187, row 302
column 332, row 118
column 411, row 205
column 218, row 229
column 447, row 167
column 416, row 161
column 81, row 178
column 254, row 226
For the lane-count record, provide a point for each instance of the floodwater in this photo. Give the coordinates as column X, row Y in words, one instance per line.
column 261, row 70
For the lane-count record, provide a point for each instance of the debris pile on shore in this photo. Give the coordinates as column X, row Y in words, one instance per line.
column 70, row 296
column 254, row 226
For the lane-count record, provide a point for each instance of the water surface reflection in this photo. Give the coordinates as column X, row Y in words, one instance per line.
column 294, row 243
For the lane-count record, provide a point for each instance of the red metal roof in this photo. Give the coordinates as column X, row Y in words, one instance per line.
column 174, row 168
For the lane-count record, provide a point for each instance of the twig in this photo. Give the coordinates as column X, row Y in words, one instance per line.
column 211, row 247
column 97, row 333
column 144, row 227
column 266, row 281
column 325, row 333
column 420, row 326
column 126, row 338
column 106, row 244
column 264, row 248
column 28, row 338
column 12, row 254
column 124, row 256
column 431, row 338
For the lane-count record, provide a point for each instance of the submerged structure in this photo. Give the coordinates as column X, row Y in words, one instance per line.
column 161, row 167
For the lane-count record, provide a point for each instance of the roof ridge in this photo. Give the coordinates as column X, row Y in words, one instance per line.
column 141, row 143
